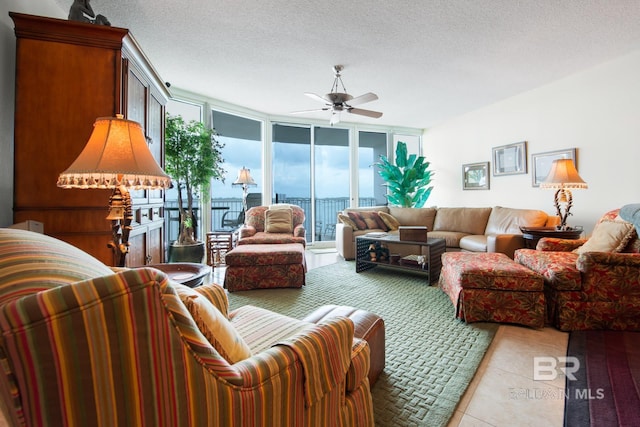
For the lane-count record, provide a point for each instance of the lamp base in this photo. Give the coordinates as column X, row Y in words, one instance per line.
column 563, row 196
column 121, row 216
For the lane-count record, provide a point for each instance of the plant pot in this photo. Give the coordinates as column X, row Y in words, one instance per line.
column 187, row 253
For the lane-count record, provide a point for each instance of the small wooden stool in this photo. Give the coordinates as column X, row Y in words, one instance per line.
column 219, row 243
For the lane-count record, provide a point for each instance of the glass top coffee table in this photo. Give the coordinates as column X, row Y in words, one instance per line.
column 427, row 261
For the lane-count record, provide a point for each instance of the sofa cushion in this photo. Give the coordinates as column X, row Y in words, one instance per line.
column 32, row 262
column 608, row 236
column 462, row 220
column 263, row 328
column 278, row 220
column 452, row 238
column 509, row 220
column 414, row 216
column 558, row 268
column 474, row 243
column 215, row 327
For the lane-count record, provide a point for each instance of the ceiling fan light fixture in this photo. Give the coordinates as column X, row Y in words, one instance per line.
column 337, row 102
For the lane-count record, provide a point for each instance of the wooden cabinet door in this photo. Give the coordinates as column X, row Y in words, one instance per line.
column 155, row 132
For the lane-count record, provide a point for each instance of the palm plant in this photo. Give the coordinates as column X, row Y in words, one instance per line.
column 407, row 181
column 193, row 157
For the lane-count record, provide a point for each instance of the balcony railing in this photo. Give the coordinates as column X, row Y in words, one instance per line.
column 326, row 214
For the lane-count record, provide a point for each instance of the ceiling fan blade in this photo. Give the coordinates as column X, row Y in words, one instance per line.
column 368, row 113
column 367, row 97
column 317, row 97
column 335, row 118
column 317, row 110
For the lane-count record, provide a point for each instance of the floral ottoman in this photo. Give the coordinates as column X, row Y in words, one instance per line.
column 491, row 287
column 265, row 266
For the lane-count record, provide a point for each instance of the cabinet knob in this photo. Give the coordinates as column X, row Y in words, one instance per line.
column 148, row 259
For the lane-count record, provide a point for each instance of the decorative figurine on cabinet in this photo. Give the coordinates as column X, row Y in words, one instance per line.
column 82, row 11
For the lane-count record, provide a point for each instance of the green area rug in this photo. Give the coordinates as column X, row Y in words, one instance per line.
column 430, row 356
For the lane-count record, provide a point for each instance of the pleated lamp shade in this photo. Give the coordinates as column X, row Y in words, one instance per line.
column 116, row 155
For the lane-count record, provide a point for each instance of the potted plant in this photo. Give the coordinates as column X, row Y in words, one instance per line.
column 407, row 180
column 193, row 158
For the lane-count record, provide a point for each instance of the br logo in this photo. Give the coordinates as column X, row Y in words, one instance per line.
column 547, row 368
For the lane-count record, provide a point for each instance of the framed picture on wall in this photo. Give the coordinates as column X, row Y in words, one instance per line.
column 541, row 163
column 510, row 159
column 475, row 176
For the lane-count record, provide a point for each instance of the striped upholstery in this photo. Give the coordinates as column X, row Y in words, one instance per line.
column 31, row 262
column 122, row 349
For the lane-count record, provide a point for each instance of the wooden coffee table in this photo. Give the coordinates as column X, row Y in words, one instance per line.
column 432, row 251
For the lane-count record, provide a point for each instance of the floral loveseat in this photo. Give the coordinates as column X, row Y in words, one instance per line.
column 83, row 345
column 597, row 287
column 481, row 229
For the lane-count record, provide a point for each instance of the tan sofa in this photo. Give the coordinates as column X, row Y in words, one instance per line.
column 488, row 229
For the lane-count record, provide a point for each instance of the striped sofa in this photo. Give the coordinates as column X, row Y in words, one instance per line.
column 84, row 345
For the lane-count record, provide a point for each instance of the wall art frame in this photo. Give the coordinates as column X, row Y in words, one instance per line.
column 541, row 163
column 510, row 159
column 475, row 176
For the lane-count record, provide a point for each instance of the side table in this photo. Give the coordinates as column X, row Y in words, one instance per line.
column 218, row 244
column 531, row 235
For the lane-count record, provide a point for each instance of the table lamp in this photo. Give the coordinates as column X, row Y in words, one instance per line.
column 244, row 179
column 116, row 157
column 563, row 176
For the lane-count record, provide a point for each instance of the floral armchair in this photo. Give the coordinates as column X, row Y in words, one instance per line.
column 280, row 223
column 591, row 284
column 83, row 345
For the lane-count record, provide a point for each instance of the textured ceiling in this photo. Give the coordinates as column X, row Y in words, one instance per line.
column 426, row 60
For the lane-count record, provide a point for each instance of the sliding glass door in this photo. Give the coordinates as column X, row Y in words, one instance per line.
column 331, row 179
column 311, row 170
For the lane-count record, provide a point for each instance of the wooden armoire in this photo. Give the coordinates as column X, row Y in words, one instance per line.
column 68, row 74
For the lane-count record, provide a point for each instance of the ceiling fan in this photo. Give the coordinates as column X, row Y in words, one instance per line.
column 337, row 102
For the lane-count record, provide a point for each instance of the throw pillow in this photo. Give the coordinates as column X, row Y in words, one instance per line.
column 215, row 327
column 608, row 236
column 389, row 220
column 278, row 220
column 358, row 220
column 346, row 220
column 373, row 220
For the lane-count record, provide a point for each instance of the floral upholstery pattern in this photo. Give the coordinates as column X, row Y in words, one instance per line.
column 492, row 287
column 593, row 290
column 253, row 231
column 265, row 266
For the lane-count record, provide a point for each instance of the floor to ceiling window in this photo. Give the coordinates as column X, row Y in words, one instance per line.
column 242, row 139
column 290, row 168
column 331, row 179
column 311, row 170
column 371, row 189
column 320, row 168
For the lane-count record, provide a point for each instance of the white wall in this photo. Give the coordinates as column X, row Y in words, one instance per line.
column 597, row 111
column 7, row 91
